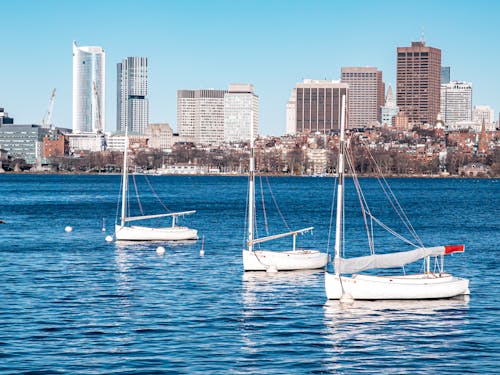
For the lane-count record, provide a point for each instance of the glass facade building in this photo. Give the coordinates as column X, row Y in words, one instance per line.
column 89, row 89
column 132, row 88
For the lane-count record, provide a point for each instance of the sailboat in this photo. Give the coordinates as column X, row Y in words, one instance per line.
column 346, row 283
column 274, row 260
column 124, row 232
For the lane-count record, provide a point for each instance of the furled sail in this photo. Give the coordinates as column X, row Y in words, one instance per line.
column 399, row 259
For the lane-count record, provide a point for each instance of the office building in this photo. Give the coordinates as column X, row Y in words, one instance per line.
column 200, row 115
column 418, row 86
column 132, row 110
column 445, row 74
column 484, row 113
column 317, row 106
column 23, row 141
column 456, row 102
column 241, row 113
column 89, row 89
column 366, row 95
column 160, row 136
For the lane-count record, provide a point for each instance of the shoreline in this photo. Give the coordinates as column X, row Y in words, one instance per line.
column 246, row 175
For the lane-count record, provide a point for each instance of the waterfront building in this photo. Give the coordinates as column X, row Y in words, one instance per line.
column 160, row 136
column 23, row 141
column 456, row 102
column 390, row 109
column 366, row 95
column 418, row 85
column 445, row 74
column 132, row 110
column 241, row 113
column 4, row 118
column 89, row 89
column 317, row 105
column 88, row 141
column 200, row 115
column 55, row 144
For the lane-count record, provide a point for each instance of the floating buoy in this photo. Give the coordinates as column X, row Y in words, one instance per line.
column 68, row 229
column 271, row 269
column 160, row 250
column 346, row 298
column 202, row 251
column 109, row 238
column 103, row 225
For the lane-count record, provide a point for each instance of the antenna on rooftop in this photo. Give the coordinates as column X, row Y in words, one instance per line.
column 423, row 37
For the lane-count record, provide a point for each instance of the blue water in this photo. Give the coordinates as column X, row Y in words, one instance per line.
column 73, row 303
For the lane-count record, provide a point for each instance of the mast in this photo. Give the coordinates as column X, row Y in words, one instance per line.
column 125, row 180
column 251, row 188
column 340, row 190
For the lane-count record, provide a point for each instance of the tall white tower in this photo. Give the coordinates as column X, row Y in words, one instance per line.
column 132, row 89
column 89, row 89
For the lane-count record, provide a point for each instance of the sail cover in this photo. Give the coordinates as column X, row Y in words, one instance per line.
column 399, row 259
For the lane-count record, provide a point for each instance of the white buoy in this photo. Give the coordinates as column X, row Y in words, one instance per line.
column 346, row 298
column 202, row 251
column 271, row 269
column 160, row 250
column 68, row 229
column 109, row 238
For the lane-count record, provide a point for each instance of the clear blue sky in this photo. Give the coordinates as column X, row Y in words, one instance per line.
column 209, row 44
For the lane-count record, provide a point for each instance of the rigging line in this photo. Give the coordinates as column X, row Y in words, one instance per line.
column 263, row 205
column 276, row 203
column 362, row 201
column 245, row 229
column 155, row 194
column 394, row 233
column 118, row 201
column 137, row 195
column 399, row 210
column 332, row 210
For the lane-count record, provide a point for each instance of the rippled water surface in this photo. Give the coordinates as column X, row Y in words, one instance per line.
column 73, row 303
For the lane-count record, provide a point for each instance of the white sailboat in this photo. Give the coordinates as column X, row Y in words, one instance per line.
column 274, row 260
column 345, row 283
column 124, row 232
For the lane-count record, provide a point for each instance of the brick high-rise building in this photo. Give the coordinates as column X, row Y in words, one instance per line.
column 418, row 82
column 366, row 95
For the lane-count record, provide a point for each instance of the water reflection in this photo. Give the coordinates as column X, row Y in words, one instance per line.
column 377, row 332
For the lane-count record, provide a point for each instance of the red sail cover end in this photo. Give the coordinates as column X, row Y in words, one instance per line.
column 454, row 249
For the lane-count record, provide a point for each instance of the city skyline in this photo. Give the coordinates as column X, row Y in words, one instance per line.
column 212, row 44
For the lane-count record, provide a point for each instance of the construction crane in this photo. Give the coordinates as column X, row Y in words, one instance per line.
column 46, row 121
column 98, row 108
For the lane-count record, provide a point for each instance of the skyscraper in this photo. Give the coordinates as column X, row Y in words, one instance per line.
column 456, row 102
column 418, row 82
column 390, row 109
column 89, row 89
column 132, row 110
column 317, row 106
column 366, row 95
column 445, row 74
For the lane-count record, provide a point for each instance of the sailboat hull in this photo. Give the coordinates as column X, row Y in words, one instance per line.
column 140, row 233
column 263, row 260
column 420, row 286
